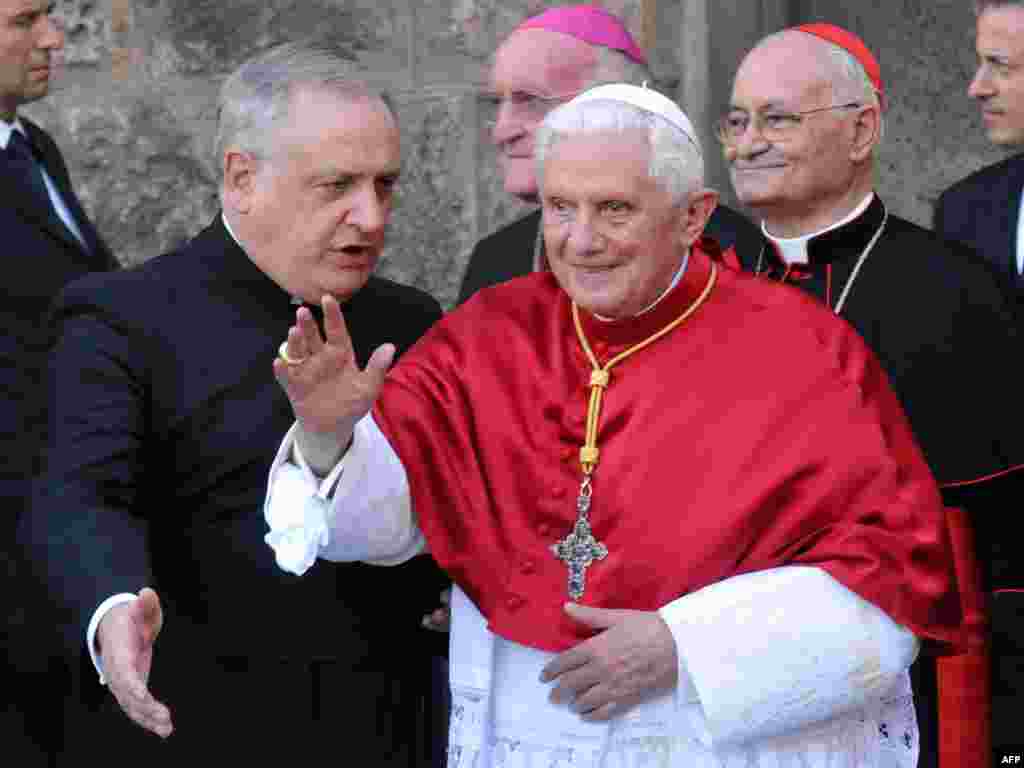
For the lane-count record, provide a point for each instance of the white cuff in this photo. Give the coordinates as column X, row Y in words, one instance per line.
column 363, row 513
column 94, row 624
column 774, row 651
column 296, row 508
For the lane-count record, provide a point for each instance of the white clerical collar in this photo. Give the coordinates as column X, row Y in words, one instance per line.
column 227, row 225
column 675, row 281
column 5, row 131
column 793, row 250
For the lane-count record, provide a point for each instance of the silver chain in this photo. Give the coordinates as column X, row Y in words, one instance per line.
column 856, row 267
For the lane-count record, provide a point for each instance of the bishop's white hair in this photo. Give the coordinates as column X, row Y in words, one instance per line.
column 676, row 162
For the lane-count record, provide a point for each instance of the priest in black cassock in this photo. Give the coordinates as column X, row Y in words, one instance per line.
column 165, row 420
column 800, row 136
column 546, row 60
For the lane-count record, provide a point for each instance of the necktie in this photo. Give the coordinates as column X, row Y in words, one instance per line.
column 21, row 161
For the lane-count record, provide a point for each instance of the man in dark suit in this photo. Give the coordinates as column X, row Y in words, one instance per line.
column 47, row 241
column 165, row 420
column 547, row 60
column 984, row 211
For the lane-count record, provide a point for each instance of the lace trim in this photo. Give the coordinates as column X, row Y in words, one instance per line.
column 885, row 738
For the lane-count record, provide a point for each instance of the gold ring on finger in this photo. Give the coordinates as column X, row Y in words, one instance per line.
column 282, row 352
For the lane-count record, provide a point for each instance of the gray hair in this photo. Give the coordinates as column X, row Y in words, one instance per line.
column 256, row 97
column 850, row 79
column 613, row 66
column 983, row 5
column 676, row 162
column 850, row 82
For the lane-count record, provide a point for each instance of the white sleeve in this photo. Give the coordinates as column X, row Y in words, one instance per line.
column 773, row 651
column 94, row 624
column 361, row 511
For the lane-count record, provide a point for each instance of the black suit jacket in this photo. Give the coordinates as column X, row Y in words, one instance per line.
column 165, row 418
column 982, row 211
column 508, row 253
column 42, row 256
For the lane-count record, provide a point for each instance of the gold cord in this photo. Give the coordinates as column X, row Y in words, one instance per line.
column 600, row 376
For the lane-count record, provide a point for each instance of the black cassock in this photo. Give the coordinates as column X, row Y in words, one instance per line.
column 943, row 327
column 165, row 420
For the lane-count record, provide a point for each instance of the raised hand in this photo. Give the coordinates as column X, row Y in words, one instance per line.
column 328, row 392
column 125, row 637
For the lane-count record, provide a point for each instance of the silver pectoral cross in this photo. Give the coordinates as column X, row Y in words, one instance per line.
column 579, row 549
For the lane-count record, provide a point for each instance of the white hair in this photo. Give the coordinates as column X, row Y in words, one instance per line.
column 850, row 82
column 675, row 163
column 981, row 6
column 255, row 99
column 848, row 78
column 613, row 66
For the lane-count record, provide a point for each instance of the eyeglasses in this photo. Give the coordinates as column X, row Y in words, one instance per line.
column 772, row 125
column 521, row 104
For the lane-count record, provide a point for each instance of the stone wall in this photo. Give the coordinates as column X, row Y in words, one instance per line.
column 934, row 135
column 133, row 108
column 134, row 105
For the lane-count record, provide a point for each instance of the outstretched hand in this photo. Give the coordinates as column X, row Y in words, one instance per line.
column 632, row 657
column 328, row 392
column 125, row 636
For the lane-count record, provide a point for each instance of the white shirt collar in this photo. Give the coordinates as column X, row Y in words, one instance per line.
column 793, row 250
column 227, row 226
column 5, row 131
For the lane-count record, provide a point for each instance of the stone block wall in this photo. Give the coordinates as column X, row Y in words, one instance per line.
column 133, row 108
column 134, row 105
column 934, row 134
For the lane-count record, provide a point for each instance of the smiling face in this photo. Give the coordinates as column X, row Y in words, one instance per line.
column 28, row 35
column 313, row 214
column 613, row 236
column 998, row 84
column 534, row 62
column 823, row 168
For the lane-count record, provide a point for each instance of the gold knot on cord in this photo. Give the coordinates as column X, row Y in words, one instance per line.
column 579, row 549
column 589, row 454
column 600, row 375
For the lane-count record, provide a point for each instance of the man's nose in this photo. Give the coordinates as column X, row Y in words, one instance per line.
column 583, row 236
column 751, row 142
column 52, row 35
column 508, row 124
column 980, row 86
column 369, row 212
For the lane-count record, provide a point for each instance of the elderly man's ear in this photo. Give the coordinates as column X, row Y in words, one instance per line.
column 699, row 207
column 239, row 180
column 867, row 132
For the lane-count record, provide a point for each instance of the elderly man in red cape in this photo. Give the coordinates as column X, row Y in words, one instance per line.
column 653, row 559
